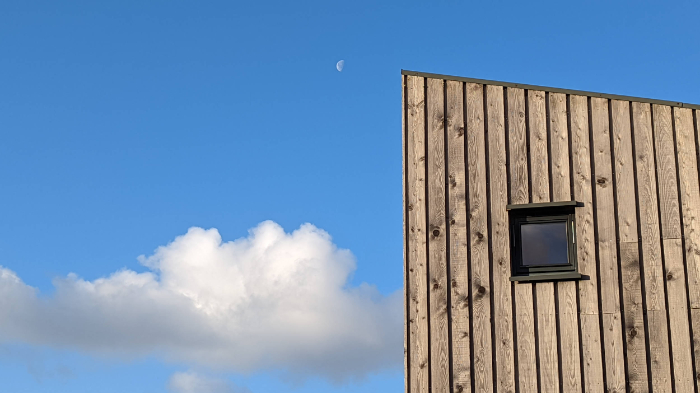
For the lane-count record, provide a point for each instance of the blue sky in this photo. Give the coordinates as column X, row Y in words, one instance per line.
column 124, row 124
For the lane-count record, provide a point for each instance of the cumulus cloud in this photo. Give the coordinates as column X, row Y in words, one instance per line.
column 268, row 301
column 191, row 382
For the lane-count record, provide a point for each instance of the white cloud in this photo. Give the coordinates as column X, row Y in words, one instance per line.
column 271, row 300
column 191, row 382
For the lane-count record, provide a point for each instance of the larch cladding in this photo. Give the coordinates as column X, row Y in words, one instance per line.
column 633, row 323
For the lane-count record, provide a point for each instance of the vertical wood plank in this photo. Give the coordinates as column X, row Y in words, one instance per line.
column 500, row 241
column 585, row 246
column 651, row 252
column 679, row 322
column 417, row 253
column 566, row 290
column 547, row 337
column 690, row 207
column 559, row 140
column 458, row 239
column 607, row 247
column 546, row 311
column 404, row 156
column 666, row 172
column 674, row 274
column 634, row 318
column 480, row 277
column 519, row 193
column 437, row 243
column 517, row 142
column 629, row 249
column 695, row 317
column 690, row 198
column 539, row 158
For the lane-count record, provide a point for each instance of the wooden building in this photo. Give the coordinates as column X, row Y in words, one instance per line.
column 609, row 303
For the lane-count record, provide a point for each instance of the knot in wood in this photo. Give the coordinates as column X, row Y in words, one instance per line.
column 454, row 283
column 481, row 290
column 602, row 181
column 480, row 236
column 452, row 222
column 436, row 232
column 633, row 333
column 460, row 131
column 669, row 276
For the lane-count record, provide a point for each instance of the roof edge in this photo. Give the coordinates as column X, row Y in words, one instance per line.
column 551, row 89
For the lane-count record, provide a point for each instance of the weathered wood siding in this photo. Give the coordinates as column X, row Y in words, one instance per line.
column 633, row 325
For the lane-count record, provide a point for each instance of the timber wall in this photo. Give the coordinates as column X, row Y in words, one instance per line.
column 470, row 148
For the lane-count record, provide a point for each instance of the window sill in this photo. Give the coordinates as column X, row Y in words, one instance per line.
column 557, row 276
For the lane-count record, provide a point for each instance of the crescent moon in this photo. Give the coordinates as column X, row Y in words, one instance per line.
column 339, row 66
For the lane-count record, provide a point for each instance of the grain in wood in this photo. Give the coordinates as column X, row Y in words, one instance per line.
column 695, row 317
column 629, row 248
column 651, row 249
column 417, row 250
column 559, row 147
column 624, row 171
column 437, row 241
column 458, row 238
column 690, row 210
column 565, row 290
column 478, row 229
column 666, row 172
column 539, row 157
column 519, row 193
column 679, row 324
column 607, row 247
column 405, row 239
column 690, row 200
column 547, row 337
column 585, row 246
column 500, row 241
column 517, row 142
column 634, row 318
column 546, row 319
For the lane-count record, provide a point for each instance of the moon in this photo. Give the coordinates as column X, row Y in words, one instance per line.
column 339, row 66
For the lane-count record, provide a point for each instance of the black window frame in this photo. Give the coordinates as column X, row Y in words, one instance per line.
column 550, row 212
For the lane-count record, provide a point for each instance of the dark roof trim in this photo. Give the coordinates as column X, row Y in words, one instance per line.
column 550, row 89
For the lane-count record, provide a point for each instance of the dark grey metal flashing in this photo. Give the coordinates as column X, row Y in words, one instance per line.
column 542, row 204
column 551, row 89
column 558, row 276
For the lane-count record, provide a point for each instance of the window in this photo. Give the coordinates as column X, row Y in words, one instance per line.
column 543, row 241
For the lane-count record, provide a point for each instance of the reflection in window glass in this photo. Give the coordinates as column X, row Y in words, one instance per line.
column 544, row 244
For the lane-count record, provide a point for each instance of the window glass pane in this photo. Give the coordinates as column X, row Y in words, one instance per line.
column 544, row 244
